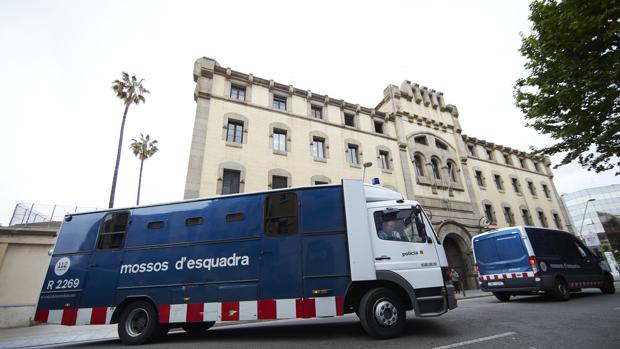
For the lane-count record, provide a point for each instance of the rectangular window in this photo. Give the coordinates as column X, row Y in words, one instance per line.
column 113, row 229
column 278, row 182
column 479, row 178
column 546, row 191
column 531, row 188
column 318, row 148
column 384, row 162
column 378, row 126
column 542, row 218
column 316, row 111
column 279, row 102
column 234, row 132
column 352, row 154
column 557, row 221
column 237, row 92
column 279, row 140
column 508, row 216
column 349, row 119
column 320, row 183
column 498, row 182
column 398, row 225
column 488, row 211
column 194, row 221
column 515, row 185
column 235, row 217
column 230, row 181
column 526, row 217
column 281, row 214
column 156, row 225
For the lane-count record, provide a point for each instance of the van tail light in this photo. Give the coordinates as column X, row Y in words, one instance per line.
column 534, row 266
column 445, row 272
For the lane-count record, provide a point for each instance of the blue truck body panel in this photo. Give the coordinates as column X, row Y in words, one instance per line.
column 223, row 256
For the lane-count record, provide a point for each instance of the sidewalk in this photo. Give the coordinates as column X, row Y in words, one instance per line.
column 40, row 335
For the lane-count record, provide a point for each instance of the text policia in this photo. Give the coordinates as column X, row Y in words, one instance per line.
column 185, row 263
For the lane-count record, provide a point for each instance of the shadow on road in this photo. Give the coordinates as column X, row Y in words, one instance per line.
column 261, row 334
column 547, row 299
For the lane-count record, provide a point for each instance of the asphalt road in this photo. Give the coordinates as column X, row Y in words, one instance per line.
column 589, row 320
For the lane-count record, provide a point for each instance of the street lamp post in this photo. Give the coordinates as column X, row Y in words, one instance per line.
column 366, row 164
column 584, row 217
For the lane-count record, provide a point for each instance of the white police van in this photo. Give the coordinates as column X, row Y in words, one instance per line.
column 527, row 260
column 305, row 252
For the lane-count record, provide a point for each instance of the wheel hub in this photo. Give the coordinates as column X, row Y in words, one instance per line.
column 136, row 322
column 385, row 313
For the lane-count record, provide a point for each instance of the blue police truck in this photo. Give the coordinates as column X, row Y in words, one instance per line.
column 305, row 252
column 527, row 260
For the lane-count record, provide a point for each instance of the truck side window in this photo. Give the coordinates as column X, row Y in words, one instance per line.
column 398, row 226
column 113, row 230
column 281, row 214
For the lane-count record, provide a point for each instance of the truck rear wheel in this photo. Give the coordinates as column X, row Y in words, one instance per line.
column 502, row 296
column 382, row 313
column 608, row 285
column 197, row 327
column 138, row 323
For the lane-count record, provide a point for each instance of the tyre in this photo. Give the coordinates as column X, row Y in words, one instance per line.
column 608, row 285
column 139, row 323
column 382, row 313
column 197, row 327
column 560, row 290
column 502, row 296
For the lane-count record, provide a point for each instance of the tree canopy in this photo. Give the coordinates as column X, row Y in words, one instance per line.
column 572, row 88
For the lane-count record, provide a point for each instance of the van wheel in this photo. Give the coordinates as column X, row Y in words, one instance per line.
column 502, row 296
column 138, row 323
column 560, row 290
column 608, row 285
column 382, row 313
column 197, row 327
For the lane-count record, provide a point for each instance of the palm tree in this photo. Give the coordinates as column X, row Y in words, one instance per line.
column 131, row 91
column 143, row 148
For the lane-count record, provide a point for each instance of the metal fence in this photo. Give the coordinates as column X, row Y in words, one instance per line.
column 42, row 215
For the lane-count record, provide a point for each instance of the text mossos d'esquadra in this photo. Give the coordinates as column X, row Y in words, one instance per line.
column 187, row 263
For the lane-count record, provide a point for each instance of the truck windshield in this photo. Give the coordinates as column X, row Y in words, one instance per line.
column 397, row 225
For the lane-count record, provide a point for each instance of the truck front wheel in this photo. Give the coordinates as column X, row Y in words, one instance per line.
column 382, row 313
column 138, row 323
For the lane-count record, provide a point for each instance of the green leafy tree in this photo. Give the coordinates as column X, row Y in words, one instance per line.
column 572, row 91
column 131, row 91
column 143, row 148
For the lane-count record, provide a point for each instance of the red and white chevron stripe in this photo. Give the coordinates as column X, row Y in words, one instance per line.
column 490, row 277
column 267, row 309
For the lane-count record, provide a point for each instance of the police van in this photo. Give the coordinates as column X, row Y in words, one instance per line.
column 527, row 260
column 306, row 252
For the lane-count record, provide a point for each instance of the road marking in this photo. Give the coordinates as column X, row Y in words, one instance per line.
column 618, row 308
column 476, row 340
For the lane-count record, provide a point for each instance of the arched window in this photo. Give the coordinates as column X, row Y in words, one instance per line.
column 452, row 172
column 419, row 165
column 435, row 167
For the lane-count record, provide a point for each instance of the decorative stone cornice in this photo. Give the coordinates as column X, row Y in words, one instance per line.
column 505, row 149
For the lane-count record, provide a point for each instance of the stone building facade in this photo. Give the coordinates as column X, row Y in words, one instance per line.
column 252, row 134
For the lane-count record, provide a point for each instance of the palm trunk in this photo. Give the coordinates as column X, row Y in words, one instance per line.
column 139, row 182
column 118, row 158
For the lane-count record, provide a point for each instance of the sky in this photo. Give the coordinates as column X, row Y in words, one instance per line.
column 60, row 120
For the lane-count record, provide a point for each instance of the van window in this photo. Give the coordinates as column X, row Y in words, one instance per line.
column 156, row 225
column 398, row 226
column 234, row 217
column 568, row 247
column 194, row 221
column 544, row 243
column 113, row 230
column 505, row 247
column 281, row 214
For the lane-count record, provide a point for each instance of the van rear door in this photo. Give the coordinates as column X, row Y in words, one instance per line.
column 502, row 252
